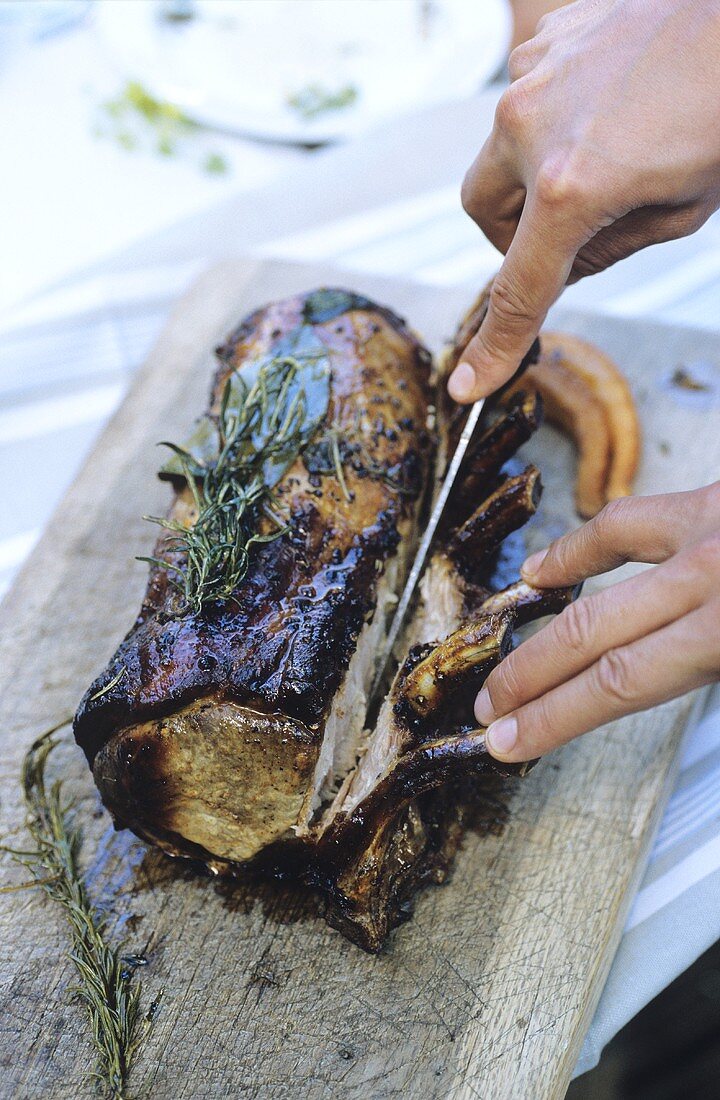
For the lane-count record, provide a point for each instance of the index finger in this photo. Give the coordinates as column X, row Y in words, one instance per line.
column 643, row 529
column 582, row 632
column 678, row 658
column 533, row 274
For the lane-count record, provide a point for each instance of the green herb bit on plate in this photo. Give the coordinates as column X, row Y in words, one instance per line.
column 315, row 100
column 135, row 114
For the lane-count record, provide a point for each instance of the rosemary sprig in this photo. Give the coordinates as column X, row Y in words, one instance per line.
column 110, row 684
column 337, row 463
column 238, row 458
column 105, row 986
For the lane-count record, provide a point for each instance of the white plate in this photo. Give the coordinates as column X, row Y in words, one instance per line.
column 236, row 64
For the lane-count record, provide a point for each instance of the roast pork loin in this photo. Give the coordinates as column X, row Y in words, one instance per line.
column 229, row 727
column 232, row 730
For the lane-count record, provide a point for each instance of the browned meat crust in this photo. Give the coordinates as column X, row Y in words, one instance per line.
column 284, row 642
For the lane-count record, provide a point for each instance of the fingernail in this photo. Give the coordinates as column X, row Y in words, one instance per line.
column 461, row 384
column 502, row 736
column 484, row 709
column 531, row 566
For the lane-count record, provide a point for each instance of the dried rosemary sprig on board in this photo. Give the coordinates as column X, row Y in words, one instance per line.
column 105, row 984
column 232, row 464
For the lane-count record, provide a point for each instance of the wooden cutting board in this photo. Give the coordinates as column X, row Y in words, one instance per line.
column 488, row 991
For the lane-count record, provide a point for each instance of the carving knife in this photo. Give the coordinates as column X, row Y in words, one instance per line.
column 418, row 566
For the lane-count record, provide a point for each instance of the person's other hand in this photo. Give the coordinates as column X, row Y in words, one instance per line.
column 638, row 643
column 607, row 140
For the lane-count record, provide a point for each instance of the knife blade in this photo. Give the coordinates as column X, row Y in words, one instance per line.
column 416, row 572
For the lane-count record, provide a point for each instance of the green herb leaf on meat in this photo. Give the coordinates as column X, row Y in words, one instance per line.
column 232, row 463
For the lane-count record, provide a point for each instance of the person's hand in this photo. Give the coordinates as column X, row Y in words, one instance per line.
column 527, row 14
column 607, row 140
column 638, row 643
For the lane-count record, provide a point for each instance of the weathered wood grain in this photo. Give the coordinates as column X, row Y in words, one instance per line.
column 488, row 990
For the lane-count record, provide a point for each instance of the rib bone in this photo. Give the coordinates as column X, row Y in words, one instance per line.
column 504, row 511
column 473, row 649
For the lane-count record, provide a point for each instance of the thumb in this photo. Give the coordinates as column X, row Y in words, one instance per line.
column 532, row 276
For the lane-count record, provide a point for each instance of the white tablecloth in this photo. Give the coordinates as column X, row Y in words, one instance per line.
column 387, row 204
